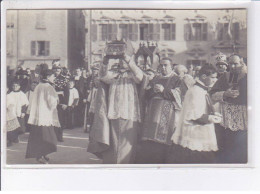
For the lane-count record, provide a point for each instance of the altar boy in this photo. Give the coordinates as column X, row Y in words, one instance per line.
column 195, row 138
column 20, row 103
column 71, row 96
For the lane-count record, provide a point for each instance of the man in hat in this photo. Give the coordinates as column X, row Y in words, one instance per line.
column 25, row 80
column 231, row 92
column 221, row 63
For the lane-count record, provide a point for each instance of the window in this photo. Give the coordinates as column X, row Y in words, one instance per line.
column 108, row 32
column 40, row 48
column 150, row 32
column 196, row 62
column 227, row 33
column 10, row 25
column 124, row 30
column 169, row 31
column 10, row 21
column 129, row 31
column 143, row 31
column 196, row 31
column 40, row 20
column 133, row 32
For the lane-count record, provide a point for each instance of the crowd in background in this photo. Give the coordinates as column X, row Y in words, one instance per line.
column 175, row 114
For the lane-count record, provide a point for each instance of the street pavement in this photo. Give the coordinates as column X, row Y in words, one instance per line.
column 72, row 151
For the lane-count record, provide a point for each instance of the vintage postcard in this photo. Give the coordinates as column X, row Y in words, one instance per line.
column 126, row 86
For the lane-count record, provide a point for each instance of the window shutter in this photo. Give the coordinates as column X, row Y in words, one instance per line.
column 133, row 32
column 135, row 27
column 109, row 31
column 114, row 31
column 40, row 20
column 104, row 31
column 157, row 32
column 187, row 32
column 235, row 31
column 220, row 31
column 33, row 48
column 124, row 31
column 47, row 48
column 204, row 31
column 94, row 32
column 173, row 31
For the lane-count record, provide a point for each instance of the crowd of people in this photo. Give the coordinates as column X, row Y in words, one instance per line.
column 175, row 114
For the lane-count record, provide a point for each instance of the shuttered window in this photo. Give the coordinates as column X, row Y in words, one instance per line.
column 224, row 32
column 112, row 31
column 204, row 31
column 187, row 32
column 124, row 31
column 169, row 31
column 196, row 31
column 40, row 20
column 108, row 32
column 40, row 48
column 133, row 32
column 143, row 31
column 103, row 32
column 33, row 48
column 235, row 31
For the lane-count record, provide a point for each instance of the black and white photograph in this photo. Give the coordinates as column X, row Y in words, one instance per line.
column 126, row 86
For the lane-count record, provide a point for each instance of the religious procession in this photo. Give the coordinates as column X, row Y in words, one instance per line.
column 134, row 114
column 136, row 106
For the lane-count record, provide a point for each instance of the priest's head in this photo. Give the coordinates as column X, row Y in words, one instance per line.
column 235, row 63
column 166, row 66
column 208, row 75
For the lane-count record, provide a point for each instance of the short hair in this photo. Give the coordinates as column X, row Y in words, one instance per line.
column 167, row 59
column 16, row 82
column 55, row 60
column 207, row 69
column 72, row 80
column 180, row 68
column 78, row 68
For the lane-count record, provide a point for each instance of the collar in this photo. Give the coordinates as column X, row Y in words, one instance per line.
column 16, row 91
column 170, row 75
column 45, row 81
column 201, row 84
column 77, row 77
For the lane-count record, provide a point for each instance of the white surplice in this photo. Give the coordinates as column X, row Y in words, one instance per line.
column 189, row 134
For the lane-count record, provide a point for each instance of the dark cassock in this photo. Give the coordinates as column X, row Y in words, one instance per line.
column 232, row 131
column 60, row 84
column 91, row 88
column 159, row 120
column 80, row 108
column 43, row 118
column 25, row 81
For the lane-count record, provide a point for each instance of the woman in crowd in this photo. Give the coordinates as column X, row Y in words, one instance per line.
column 43, row 118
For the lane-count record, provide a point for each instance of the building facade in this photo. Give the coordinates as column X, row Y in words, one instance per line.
column 40, row 36
column 186, row 36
